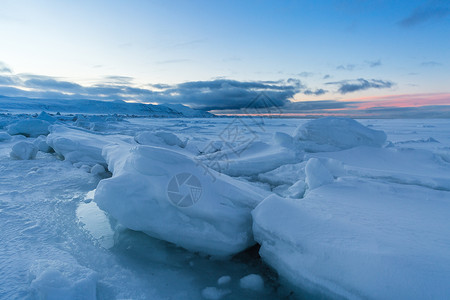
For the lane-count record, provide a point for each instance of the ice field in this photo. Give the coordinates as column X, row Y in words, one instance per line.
column 108, row 207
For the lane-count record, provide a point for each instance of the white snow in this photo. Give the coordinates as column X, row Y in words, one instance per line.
column 23, row 150
column 29, row 128
column 252, row 282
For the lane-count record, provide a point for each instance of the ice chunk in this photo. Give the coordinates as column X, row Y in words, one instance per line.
column 77, row 145
column 297, row 190
column 213, row 293
column 286, row 174
column 317, row 174
column 224, row 280
column 4, row 137
column 331, row 134
column 41, row 143
column 283, row 139
column 57, row 280
column 167, row 195
column 408, row 166
column 358, row 238
column 29, row 128
column 257, row 158
column 46, row 117
column 252, row 282
column 23, row 150
column 159, row 138
column 97, row 170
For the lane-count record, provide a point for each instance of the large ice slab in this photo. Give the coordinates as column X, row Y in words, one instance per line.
column 360, row 238
column 167, row 195
column 253, row 158
column 29, row 127
column 407, row 166
column 80, row 146
column 331, row 134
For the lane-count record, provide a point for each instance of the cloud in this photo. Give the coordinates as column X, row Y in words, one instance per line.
column 48, row 83
column 6, row 80
column 118, row 79
column 429, row 112
column 431, row 64
column 367, row 63
column 349, row 86
column 4, row 68
column 206, row 95
column 298, row 108
column 374, row 63
column 314, row 106
column 347, row 67
column 327, row 76
column 432, row 10
column 230, row 94
column 305, row 74
column 317, row 92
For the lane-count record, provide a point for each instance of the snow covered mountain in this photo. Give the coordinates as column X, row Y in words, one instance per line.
column 85, row 106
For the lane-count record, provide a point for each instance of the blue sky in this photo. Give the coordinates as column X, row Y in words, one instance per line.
column 331, row 50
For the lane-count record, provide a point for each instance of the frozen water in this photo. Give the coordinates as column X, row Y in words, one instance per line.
column 252, row 282
column 168, row 196
column 224, row 280
column 159, row 138
column 29, row 128
column 360, row 238
column 41, row 143
column 4, row 137
column 80, row 146
column 329, row 134
column 317, row 174
column 24, row 150
column 375, row 225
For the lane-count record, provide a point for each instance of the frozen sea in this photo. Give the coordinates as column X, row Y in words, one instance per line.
column 354, row 221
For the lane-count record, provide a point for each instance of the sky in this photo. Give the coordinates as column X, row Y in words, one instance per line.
column 308, row 58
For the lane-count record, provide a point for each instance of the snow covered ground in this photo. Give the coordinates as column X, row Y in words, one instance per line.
column 152, row 208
